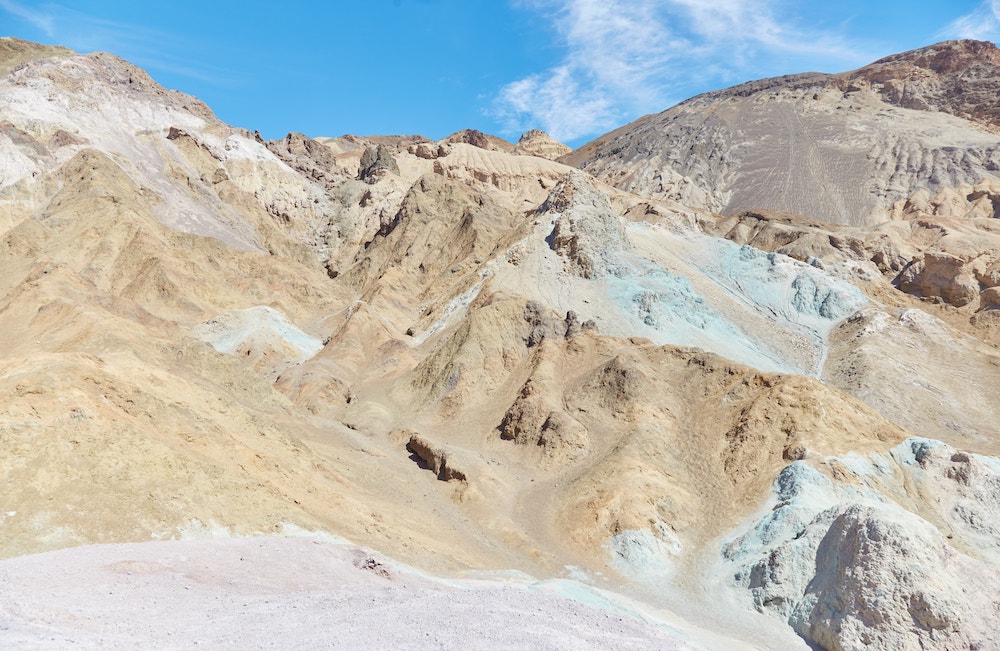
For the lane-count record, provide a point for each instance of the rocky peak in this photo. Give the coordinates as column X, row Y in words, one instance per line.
column 948, row 57
column 479, row 139
column 721, row 150
column 306, row 155
column 98, row 76
column 538, row 143
column 375, row 161
column 956, row 77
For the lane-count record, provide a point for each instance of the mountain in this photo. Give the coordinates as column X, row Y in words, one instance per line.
column 757, row 429
column 840, row 148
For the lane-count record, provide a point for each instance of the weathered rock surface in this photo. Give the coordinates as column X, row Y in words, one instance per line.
column 851, row 556
column 586, row 231
column 479, row 139
column 376, row 161
column 443, row 461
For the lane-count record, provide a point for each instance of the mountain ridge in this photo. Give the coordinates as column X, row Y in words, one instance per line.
column 847, row 143
column 941, row 59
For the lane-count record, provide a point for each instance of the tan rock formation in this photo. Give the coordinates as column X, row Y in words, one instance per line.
column 479, row 139
column 539, row 143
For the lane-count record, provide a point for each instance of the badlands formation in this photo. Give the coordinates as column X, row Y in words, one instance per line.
column 723, row 379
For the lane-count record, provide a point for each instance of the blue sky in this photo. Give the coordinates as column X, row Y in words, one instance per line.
column 576, row 68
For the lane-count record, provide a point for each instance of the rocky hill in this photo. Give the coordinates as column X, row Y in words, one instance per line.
column 765, row 430
column 840, row 148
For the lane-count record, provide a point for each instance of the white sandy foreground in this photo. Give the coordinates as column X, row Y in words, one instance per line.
column 296, row 592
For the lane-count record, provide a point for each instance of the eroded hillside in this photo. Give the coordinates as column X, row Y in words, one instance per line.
column 473, row 357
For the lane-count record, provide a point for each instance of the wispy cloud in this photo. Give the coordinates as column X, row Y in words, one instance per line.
column 42, row 20
column 743, row 24
column 150, row 48
column 147, row 47
column 624, row 57
column 983, row 23
column 556, row 100
column 614, row 49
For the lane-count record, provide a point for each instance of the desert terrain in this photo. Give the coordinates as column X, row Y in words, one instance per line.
column 724, row 378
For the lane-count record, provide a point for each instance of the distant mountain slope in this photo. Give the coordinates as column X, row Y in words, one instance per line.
column 839, row 148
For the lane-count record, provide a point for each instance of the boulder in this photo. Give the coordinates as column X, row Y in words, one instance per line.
column 440, row 459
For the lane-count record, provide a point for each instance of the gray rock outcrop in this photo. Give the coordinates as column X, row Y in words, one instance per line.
column 376, row 161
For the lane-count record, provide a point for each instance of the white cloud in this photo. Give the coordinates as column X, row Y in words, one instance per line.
column 983, row 23
column 622, row 58
column 614, row 48
column 41, row 20
column 752, row 23
column 556, row 100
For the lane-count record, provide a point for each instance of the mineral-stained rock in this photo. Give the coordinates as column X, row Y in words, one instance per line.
column 849, row 568
column 886, row 579
column 587, row 232
column 445, row 300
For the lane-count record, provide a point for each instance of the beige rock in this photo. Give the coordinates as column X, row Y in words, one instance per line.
column 479, row 139
column 539, row 143
column 440, row 460
column 989, row 298
column 940, row 275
